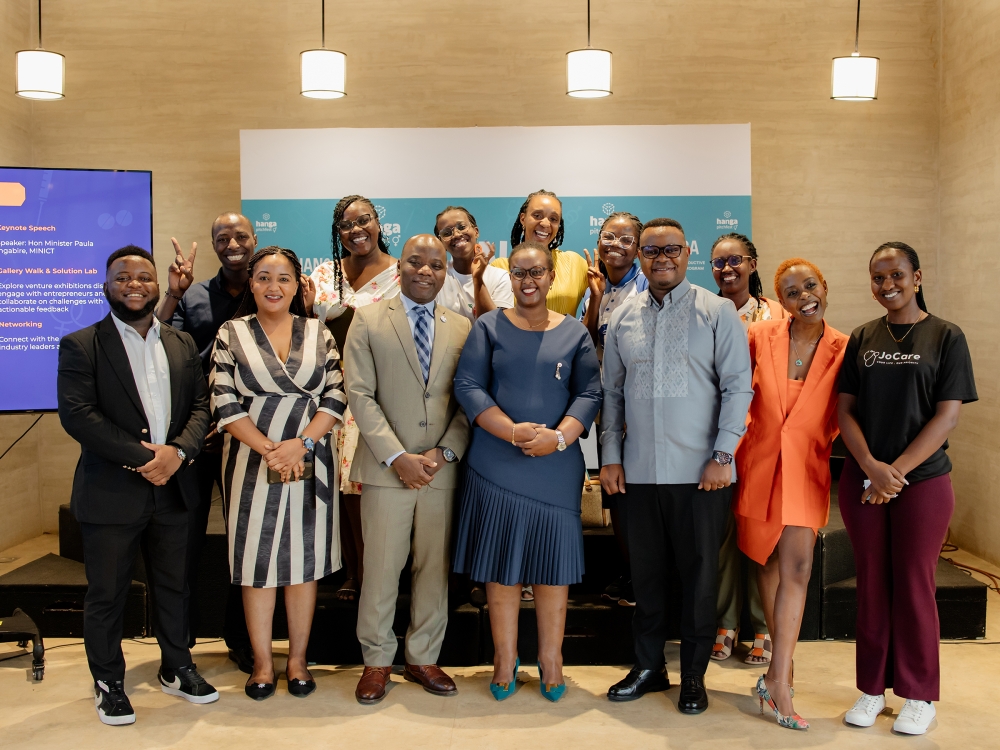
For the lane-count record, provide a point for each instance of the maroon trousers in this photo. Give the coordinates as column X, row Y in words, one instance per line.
column 896, row 550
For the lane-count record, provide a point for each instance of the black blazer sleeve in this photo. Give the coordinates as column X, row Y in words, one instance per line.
column 78, row 409
column 191, row 436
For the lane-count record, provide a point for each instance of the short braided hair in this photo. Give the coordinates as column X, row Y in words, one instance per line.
column 337, row 247
column 756, row 287
column 446, row 209
column 517, row 230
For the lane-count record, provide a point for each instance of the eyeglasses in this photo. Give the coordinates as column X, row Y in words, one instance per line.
column 362, row 221
column 733, row 260
column 651, row 252
column 625, row 241
column 460, row 226
column 536, row 273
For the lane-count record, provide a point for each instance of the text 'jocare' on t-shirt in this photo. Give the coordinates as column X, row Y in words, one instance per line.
column 899, row 384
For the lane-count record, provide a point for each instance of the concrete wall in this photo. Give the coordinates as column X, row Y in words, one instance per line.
column 168, row 86
column 970, row 230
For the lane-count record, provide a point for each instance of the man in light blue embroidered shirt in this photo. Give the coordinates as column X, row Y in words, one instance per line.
column 677, row 387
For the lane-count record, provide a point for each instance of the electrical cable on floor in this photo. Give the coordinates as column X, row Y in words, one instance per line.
column 994, row 579
column 47, row 649
column 22, row 435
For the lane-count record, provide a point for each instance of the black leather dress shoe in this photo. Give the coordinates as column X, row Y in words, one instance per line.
column 243, row 656
column 694, row 697
column 637, row 683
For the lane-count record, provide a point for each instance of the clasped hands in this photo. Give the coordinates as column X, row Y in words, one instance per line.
column 886, row 482
column 713, row 477
column 286, row 457
column 534, row 439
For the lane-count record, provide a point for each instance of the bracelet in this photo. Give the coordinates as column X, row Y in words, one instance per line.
column 175, row 296
column 512, row 431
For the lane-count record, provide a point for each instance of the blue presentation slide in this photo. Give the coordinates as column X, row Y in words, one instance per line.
column 57, row 228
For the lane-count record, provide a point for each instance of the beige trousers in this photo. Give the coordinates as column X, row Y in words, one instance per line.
column 394, row 520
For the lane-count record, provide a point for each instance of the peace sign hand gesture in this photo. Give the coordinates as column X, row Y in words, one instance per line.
column 594, row 276
column 481, row 260
column 180, row 275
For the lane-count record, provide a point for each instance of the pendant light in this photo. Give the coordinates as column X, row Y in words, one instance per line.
column 855, row 78
column 324, row 71
column 588, row 71
column 40, row 74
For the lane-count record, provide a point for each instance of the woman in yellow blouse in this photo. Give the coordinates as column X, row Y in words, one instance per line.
column 540, row 220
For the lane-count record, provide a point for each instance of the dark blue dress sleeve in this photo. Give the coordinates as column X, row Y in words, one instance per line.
column 472, row 376
column 585, row 384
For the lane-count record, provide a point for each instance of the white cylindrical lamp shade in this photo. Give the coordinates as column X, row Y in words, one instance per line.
column 855, row 78
column 324, row 74
column 40, row 74
column 588, row 73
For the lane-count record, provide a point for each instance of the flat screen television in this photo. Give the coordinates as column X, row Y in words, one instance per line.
column 57, row 228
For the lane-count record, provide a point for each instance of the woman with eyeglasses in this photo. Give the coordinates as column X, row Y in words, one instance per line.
column 614, row 278
column 734, row 266
column 361, row 272
column 904, row 380
column 530, row 383
column 540, row 220
column 472, row 286
column 783, row 493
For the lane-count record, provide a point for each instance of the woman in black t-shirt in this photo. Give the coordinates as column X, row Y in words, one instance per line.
column 904, row 377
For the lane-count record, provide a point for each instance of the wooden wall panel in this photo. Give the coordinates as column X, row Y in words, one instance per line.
column 970, row 230
column 167, row 86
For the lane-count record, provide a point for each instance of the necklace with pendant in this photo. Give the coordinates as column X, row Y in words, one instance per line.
column 899, row 340
column 798, row 357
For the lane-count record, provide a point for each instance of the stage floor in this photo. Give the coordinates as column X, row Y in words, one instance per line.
column 59, row 712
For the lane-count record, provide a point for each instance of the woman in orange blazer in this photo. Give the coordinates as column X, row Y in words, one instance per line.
column 783, row 461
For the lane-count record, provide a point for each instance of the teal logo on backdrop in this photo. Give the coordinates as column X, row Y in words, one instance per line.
column 304, row 225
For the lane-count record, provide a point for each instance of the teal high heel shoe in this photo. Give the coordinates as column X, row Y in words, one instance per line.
column 552, row 694
column 502, row 691
column 789, row 722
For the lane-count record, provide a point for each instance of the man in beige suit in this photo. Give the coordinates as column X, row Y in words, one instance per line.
column 399, row 363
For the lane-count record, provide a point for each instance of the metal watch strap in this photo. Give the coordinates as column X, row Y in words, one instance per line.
column 722, row 458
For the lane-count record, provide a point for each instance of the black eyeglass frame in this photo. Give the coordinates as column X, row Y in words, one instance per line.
column 728, row 261
column 668, row 251
column 542, row 270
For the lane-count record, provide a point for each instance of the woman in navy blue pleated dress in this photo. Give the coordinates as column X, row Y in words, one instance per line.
column 529, row 381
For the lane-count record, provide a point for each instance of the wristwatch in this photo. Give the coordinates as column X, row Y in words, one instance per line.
column 181, row 454
column 449, row 455
column 308, row 442
column 561, row 445
column 722, row 459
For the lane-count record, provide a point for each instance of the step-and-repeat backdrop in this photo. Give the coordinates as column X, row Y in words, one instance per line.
column 697, row 174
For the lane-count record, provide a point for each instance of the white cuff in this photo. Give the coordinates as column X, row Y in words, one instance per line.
column 393, row 457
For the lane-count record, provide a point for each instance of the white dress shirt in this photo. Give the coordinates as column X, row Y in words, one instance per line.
column 151, row 372
column 411, row 317
column 458, row 292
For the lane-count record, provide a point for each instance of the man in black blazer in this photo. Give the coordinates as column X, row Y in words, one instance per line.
column 132, row 393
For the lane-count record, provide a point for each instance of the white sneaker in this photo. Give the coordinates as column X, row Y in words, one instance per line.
column 915, row 717
column 866, row 710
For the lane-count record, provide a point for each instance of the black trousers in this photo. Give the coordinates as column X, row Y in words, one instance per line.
column 234, row 629
column 675, row 527
column 109, row 554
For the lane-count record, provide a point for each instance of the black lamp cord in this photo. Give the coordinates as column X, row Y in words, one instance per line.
column 22, row 435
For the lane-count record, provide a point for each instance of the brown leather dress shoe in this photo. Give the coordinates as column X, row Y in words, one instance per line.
column 431, row 676
column 371, row 686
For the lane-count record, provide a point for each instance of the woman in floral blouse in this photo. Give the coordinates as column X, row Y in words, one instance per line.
column 360, row 273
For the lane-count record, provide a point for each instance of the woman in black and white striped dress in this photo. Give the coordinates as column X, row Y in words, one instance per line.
column 277, row 390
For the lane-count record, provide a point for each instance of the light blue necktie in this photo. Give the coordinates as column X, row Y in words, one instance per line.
column 422, row 339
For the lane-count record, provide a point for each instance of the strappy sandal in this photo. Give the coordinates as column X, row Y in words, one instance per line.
column 349, row 591
column 760, row 652
column 527, row 594
column 724, row 642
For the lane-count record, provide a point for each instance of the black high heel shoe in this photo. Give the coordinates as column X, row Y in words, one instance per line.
column 259, row 691
column 300, row 688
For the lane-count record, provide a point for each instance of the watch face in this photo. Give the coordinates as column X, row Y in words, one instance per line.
column 449, row 455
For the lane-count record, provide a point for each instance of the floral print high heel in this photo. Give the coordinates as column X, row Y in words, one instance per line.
column 789, row 722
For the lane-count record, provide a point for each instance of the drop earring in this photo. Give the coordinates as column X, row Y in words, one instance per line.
column 916, row 288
